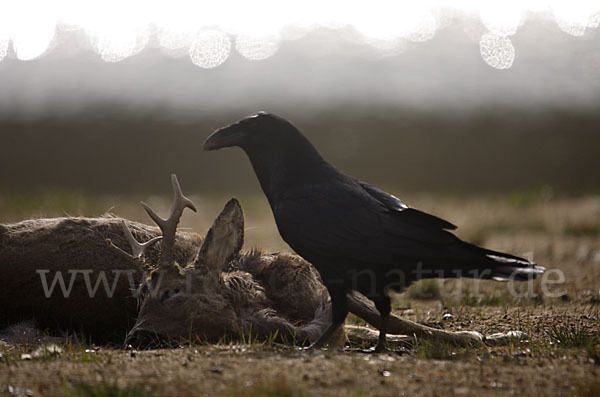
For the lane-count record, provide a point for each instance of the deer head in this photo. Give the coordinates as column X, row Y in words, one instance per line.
column 179, row 301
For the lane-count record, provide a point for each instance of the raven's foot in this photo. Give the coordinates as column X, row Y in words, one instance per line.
column 380, row 348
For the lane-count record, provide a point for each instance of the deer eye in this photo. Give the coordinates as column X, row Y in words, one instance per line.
column 169, row 294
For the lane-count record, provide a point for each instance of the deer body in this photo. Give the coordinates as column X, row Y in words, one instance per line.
column 252, row 294
column 71, row 250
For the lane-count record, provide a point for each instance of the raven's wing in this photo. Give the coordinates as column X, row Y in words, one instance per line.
column 404, row 212
column 342, row 220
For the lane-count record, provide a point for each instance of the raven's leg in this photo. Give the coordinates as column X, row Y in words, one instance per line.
column 339, row 311
column 384, row 306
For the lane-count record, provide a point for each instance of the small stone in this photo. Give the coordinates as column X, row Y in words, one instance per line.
column 447, row 316
column 385, row 373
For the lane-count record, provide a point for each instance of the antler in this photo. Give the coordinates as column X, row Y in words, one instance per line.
column 169, row 226
column 137, row 249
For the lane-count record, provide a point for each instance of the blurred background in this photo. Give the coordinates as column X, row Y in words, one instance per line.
column 101, row 100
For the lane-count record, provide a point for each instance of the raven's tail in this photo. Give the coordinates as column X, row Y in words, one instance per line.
column 468, row 260
column 500, row 266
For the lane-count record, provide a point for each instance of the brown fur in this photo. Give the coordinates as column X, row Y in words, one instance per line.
column 63, row 244
column 227, row 293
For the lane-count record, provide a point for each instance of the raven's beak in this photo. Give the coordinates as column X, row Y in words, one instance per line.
column 223, row 137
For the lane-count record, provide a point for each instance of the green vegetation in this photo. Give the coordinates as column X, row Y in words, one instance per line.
column 438, row 351
column 71, row 349
column 355, row 320
column 497, row 297
column 425, row 289
column 50, row 202
column 573, row 335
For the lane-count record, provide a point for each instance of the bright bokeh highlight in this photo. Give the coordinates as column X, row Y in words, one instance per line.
column 207, row 30
column 210, row 49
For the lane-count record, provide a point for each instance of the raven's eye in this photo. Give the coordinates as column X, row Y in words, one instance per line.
column 169, row 294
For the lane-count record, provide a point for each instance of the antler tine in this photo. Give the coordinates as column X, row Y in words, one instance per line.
column 181, row 201
column 137, row 249
column 169, row 226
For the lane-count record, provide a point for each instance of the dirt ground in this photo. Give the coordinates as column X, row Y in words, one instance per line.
column 559, row 313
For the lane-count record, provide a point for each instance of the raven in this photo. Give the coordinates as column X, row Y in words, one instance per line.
column 357, row 236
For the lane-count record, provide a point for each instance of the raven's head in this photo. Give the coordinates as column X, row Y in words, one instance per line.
column 257, row 128
column 279, row 153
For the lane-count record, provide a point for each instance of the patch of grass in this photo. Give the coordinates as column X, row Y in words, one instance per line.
column 276, row 387
column 496, row 297
column 249, row 339
column 573, row 335
column 437, row 351
column 77, row 351
column 589, row 387
column 593, row 353
column 55, row 202
column 107, row 389
column 527, row 198
column 425, row 289
column 275, row 339
column 537, row 342
column 70, row 349
column 355, row 320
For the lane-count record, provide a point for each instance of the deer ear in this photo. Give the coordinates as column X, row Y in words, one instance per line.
column 224, row 238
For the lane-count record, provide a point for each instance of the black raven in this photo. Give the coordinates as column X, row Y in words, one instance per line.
column 357, row 236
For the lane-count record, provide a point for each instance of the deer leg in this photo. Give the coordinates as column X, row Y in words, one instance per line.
column 339, row 311
column 365, row 309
